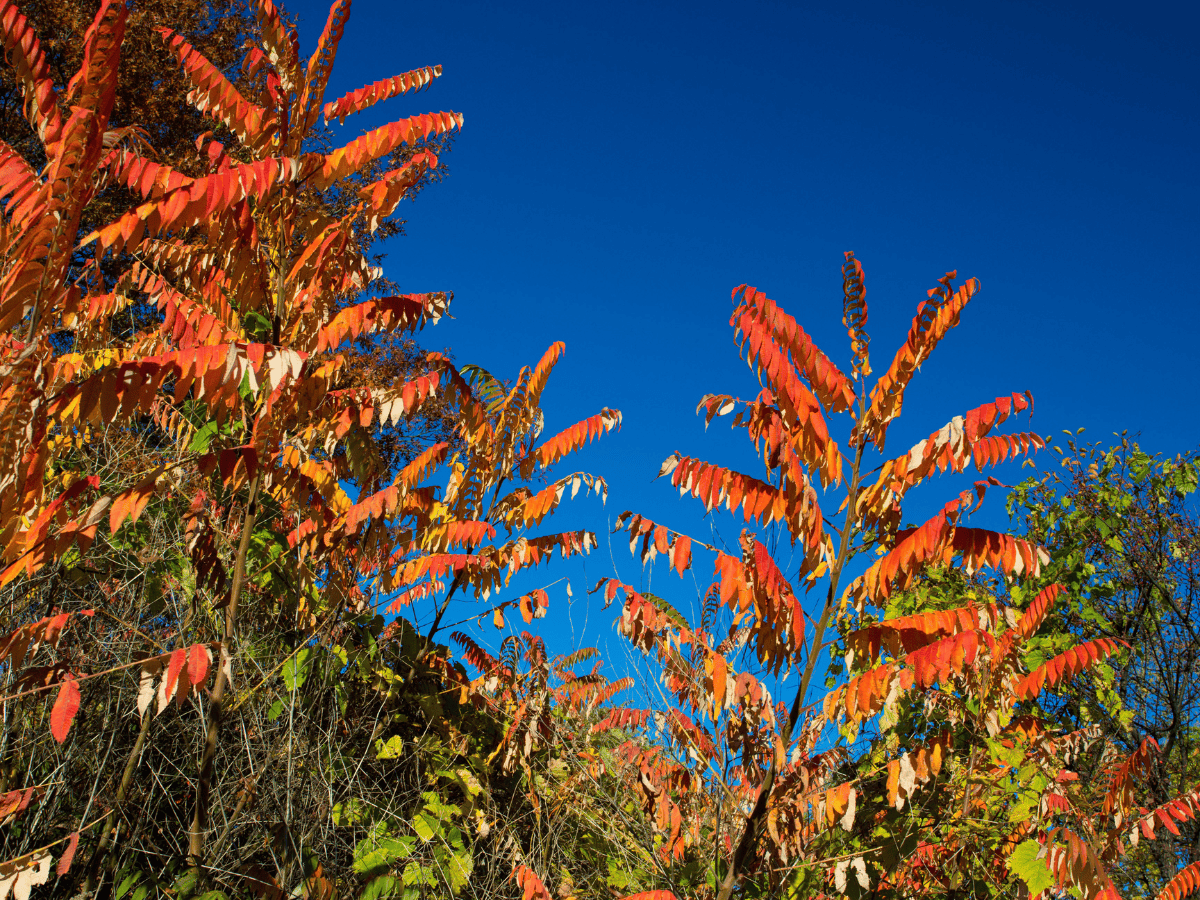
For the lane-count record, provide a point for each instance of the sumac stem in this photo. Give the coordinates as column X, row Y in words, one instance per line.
column 220, row 685
column 754, row 822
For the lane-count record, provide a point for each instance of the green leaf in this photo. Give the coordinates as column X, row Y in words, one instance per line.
column 203, row 438
column 390, row 749
column 666, row 608
column 1023, row 810
column 417, row 874
column 295, row 670
column 383, row 886
column 255, row 323
column 487, row 387
column 434, row 804
column 459, row 870
column 426, row 826
column 1025, row 864
column 350, row 812
column 618, row 878
column 372, row 860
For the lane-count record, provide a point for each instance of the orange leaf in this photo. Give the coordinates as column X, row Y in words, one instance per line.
column 197, row 663
column 65, row 708
column 364, row 97
column 1064, row 666
column 530, row 884
column 130, row 503
column 64, row 862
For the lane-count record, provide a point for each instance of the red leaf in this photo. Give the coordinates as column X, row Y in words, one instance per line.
column 64, row 863
column 1064, row 666
column 364, row 97
column 197, row 663
column 935, row 317
column 531, row 886
column 65, row 708
column 174, row 668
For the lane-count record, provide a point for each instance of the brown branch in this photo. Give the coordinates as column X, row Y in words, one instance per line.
column 217, row 697
column 757, row 818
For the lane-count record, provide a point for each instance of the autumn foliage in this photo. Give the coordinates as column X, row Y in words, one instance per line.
column 230, row 663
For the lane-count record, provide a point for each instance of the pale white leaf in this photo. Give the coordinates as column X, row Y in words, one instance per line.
column 146, row 688
column 860, row 872
column 839, row 875
column 851, row 803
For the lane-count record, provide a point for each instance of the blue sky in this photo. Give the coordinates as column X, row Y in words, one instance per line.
column 624, row 166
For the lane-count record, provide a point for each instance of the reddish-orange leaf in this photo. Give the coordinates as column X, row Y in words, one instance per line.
column 406, row 312
column 213, row 93
column 65, row 708
column 379, row 143
column 935, row 317
column 24, row 54
column 1185, row 883
column 364, row 97
column 681, row 553
column 1035, row 613
column 175, row 667
column 566, row 442
column 910, row 633
column 629, row 719
column 828, row 381
column 1064, row 666
column 534, row 605
column 719, row 674
column 854, row 311
column 530, row 884
column 197, row 663
column 64, row 862
column 130, row 503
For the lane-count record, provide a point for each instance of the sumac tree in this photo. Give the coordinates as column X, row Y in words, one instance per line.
column 965, row 783
column 199, row 524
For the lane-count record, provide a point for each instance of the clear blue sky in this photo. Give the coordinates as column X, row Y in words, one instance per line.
column 623, row 166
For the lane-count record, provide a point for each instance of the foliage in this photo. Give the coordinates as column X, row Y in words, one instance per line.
column 1121, row 529
column 151, row 98
column 964, row 785
column 230, row 547
column 200, row 518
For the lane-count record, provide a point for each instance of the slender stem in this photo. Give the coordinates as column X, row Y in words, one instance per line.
column 220, row 684
column 52, row 685
column 106, row 832
column 754, row 822
column 458, row 580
